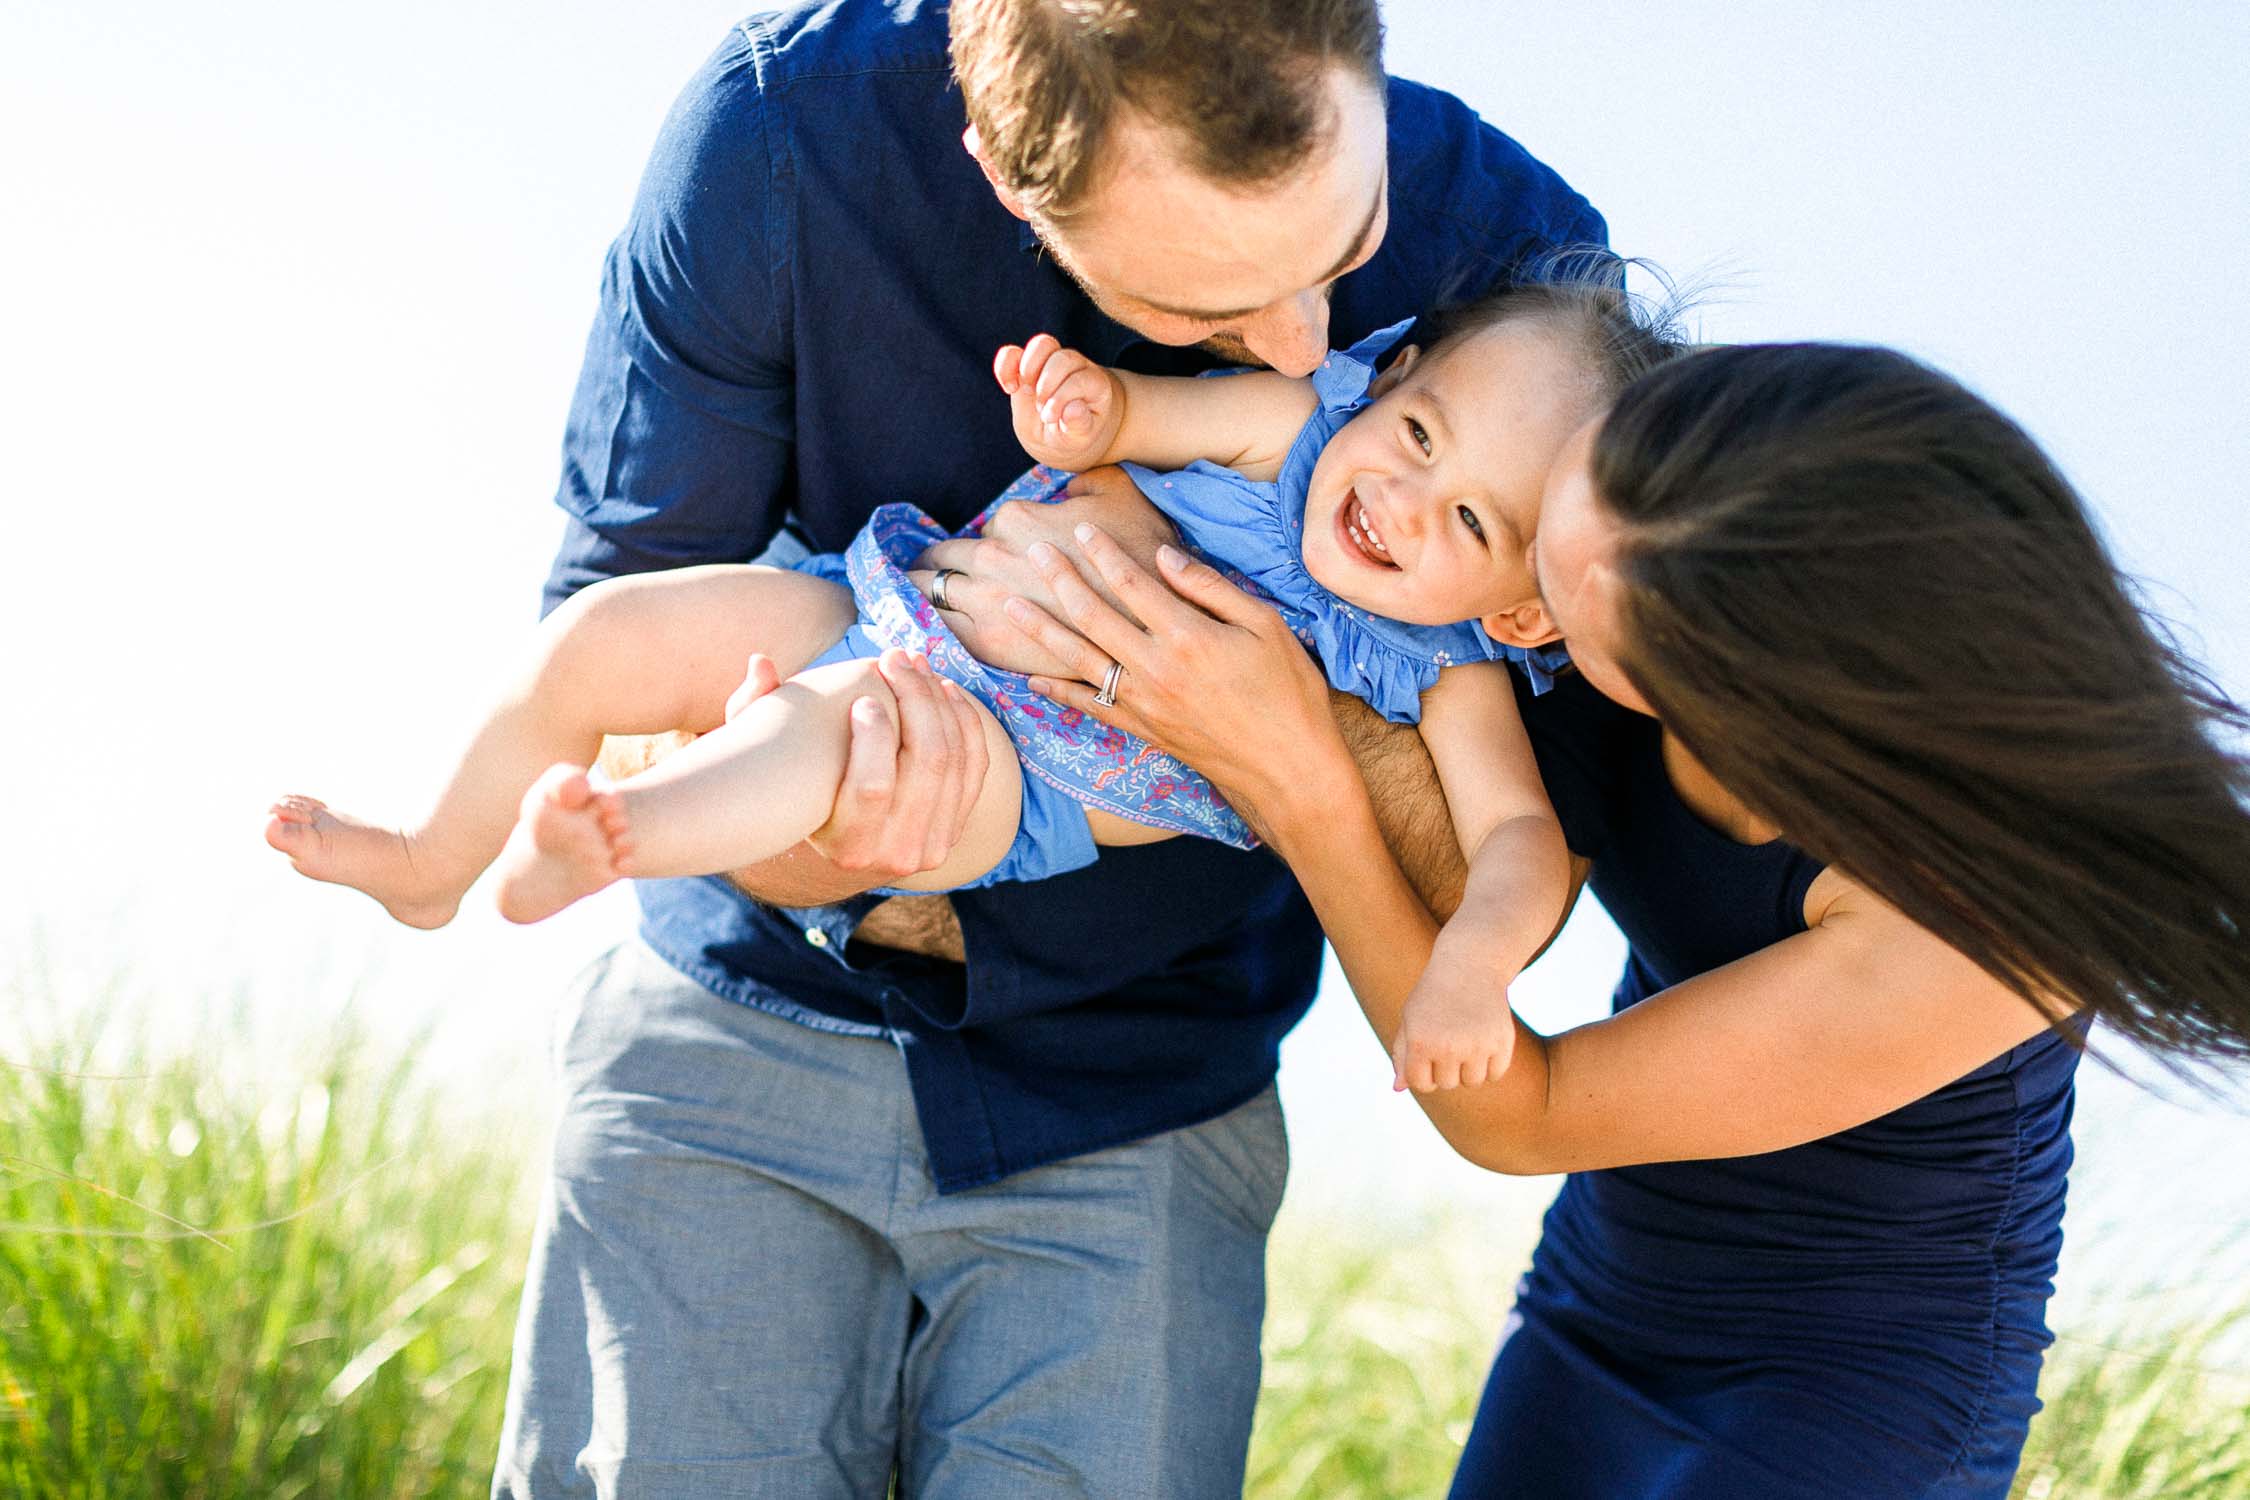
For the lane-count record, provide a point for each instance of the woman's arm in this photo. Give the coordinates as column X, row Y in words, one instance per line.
column 1858, row 1016
column 1863, row 1014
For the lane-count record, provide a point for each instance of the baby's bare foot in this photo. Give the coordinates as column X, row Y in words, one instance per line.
column 566, row 845
column 336, row 847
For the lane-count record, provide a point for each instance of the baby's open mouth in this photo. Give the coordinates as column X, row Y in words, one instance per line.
column 1359, row 530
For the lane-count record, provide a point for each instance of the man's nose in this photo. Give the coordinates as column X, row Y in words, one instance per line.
column 1291, row 335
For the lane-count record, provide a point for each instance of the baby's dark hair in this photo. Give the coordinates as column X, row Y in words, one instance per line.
column 1580, row 292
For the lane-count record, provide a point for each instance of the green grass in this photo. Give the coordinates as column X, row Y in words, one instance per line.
column 2148, row 1407
column 231, row 1276
column 246, row 1272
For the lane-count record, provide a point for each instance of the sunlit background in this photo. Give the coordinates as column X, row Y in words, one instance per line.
column 295, row 297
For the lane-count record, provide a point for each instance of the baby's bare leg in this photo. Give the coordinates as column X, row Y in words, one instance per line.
column 742, row 793
column 638, row 655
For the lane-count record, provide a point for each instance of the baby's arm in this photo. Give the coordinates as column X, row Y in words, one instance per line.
column 1457, row 1028
column 1075, row 414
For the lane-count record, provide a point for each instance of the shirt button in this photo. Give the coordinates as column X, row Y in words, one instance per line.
column 816, row 937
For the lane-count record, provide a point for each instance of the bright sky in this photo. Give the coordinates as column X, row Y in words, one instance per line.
column 299, row 293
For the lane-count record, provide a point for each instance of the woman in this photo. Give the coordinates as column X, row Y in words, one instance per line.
column 1891, row 789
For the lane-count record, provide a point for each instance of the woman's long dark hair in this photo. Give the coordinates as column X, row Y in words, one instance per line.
column 1872, row 608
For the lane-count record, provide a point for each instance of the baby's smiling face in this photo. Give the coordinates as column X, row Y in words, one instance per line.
column 1424, row 506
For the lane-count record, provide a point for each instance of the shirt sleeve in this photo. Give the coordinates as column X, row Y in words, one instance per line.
column 679, row 442
column 1488, row 207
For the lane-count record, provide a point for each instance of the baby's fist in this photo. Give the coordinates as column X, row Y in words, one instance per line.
column 1066, row 408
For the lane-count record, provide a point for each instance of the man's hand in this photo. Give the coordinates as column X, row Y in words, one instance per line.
column 909, row 783
column 988, row 569
column 1067, row 409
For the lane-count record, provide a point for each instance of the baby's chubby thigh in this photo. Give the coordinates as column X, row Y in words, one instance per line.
column 665, row 650
column 1111, row 831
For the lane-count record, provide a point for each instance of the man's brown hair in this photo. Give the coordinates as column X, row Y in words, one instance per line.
column 1238, row 81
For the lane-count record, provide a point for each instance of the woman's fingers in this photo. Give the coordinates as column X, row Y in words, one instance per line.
column 1201, row 584
column 1114, row 637
column 1158, row 606
column 1077, row 655
column 1186, row 593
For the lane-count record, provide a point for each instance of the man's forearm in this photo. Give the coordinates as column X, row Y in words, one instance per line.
column 927, row 925
column 1410, row 805
column 798, row 877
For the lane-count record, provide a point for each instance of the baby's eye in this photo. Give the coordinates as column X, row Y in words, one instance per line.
column 1421, row 438
column 1469, row 519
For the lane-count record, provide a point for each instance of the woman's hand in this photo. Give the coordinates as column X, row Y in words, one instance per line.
column 1210, row 674
column 986, row 569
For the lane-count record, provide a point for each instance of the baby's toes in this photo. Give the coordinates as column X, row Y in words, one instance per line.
column 297, row 809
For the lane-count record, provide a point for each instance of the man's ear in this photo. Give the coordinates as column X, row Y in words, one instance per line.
column 1394, row 372
column 1525, row 625
column 973, row 143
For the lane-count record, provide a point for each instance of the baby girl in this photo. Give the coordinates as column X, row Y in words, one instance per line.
column 1389, row 517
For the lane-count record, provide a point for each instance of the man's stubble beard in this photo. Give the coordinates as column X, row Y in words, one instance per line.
column 1229, row 347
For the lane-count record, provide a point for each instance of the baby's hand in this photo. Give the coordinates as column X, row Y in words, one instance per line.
column 1457, row 1031
column 1067, row 409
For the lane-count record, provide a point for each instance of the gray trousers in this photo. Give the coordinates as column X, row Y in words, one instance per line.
column 744, row 1283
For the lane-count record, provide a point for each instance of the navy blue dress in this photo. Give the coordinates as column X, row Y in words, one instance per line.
column 1861, row 1316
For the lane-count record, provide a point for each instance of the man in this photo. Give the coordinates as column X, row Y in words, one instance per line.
column 972, row 1193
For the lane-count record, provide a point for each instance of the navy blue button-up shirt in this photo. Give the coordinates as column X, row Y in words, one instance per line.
column 799, row 319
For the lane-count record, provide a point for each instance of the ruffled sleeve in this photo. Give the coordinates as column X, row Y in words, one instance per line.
column 1341, row 383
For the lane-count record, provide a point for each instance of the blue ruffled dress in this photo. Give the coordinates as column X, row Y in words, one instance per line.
column 1251, row 529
